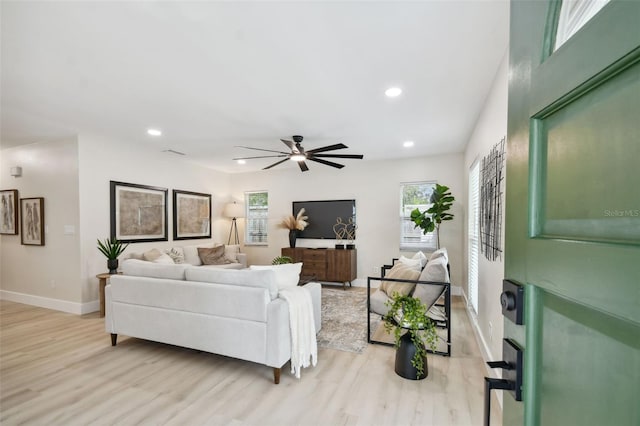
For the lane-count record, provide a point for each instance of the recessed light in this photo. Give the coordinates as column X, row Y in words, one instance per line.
column 154, row 132
column 407, row 144
column 242, row 162
column 392, row 92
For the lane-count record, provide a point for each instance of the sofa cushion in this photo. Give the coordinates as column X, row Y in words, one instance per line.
column 439, row 253
column 141, row 268
column 400, row 272
column 423, row 258
column 412, row 263
column 243, row 277
column 213, row 255
column 436, row 270
column 287, row 275
column 379, row 301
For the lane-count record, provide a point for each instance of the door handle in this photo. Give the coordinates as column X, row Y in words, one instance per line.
column 512, row 364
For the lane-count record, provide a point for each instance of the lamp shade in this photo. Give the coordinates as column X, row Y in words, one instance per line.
column 233, row 210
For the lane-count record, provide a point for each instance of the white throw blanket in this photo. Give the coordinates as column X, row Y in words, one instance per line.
column 303, row 328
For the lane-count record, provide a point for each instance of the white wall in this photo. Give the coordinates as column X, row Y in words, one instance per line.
column 103, row 160
column 375, row 186
column 490, row 128
column 48, row 275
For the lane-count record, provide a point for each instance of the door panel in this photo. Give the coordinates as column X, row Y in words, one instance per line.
column 573, row 215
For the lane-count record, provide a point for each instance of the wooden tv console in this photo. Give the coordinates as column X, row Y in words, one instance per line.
column 325, row 264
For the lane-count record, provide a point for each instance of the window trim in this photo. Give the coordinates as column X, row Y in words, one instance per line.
column 422, row 245
column 248, row 217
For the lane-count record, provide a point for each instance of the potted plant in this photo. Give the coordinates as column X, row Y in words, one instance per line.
column 294, row 224
column 412, row 328
column 430, row 219
column 112, row 248
column 281, row 260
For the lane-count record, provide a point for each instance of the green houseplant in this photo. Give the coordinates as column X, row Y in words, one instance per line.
column 112, row 248
column 430, row 219
column 281, row 260
column 409, row 315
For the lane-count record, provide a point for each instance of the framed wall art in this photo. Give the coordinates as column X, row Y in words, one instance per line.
column 32, row 221
column 9, row 211
column 138, row 212
column 191, row 215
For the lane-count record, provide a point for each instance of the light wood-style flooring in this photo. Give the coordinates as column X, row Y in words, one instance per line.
column 60, row 369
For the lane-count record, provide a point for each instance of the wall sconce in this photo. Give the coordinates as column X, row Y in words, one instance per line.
column 16, row 171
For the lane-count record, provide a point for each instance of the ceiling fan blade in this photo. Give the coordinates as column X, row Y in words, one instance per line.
column 290, row 144
column 355, row 156
column 275, row 164
column 328, row 148
column 303, row 166
column 326, row 163
column 260, row 156
column 260, row 149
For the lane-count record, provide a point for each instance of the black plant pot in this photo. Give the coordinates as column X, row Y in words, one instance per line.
column 112, row 264
column 293, row 234
column 404, row 355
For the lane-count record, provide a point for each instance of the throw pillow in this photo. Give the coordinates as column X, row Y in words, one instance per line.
column 436, row 270
column 231, row 252
column 212, row 256
column 439, row 253
column 176, row 255
column 423, row 258
column 151, row 255
column 287, row 275
column 411, row 263
column 400, row 272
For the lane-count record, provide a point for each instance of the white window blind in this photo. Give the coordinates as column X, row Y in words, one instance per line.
column 257, row 214
column 474, row 234
column 415, row 195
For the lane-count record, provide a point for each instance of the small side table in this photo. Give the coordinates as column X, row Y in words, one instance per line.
column 102, row 284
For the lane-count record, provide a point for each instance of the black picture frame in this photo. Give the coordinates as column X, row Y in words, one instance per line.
column 138, row 212
column 191, row 215
column 32, row 221
column 9, row 212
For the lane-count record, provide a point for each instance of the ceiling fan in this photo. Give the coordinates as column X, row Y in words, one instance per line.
column 300, row 155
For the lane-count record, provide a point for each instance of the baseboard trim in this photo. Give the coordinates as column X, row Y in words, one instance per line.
column 481, row 341
column 49, row 303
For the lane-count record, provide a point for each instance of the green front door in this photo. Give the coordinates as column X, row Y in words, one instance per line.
column 573, row 215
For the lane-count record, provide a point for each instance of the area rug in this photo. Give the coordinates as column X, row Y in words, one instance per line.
column 344, row 320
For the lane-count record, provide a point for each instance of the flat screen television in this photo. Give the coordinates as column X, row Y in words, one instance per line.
column 323, row 215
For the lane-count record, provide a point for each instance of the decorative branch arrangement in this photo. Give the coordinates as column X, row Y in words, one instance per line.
column 491, row 177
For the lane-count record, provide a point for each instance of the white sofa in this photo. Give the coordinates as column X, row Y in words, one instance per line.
column 236, row 313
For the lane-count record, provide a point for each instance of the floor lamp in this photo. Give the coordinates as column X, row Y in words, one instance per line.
column 233, row 210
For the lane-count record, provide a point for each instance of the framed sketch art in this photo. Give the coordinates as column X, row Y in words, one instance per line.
column 9, row 211
column 32, row 221
column 191, row 215
column 138, row 212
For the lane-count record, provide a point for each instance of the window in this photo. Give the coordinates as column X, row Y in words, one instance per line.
column 474, row 234
column 257, row 213
column 573, row 15
column 415, row 195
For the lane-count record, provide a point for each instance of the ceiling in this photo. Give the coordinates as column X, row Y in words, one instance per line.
column 215, row 75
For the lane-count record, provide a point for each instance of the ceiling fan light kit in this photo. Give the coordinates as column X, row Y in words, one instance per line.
column 300, row 155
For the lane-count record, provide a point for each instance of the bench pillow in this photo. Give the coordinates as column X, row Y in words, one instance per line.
column 287, row 274
column 400, row 272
